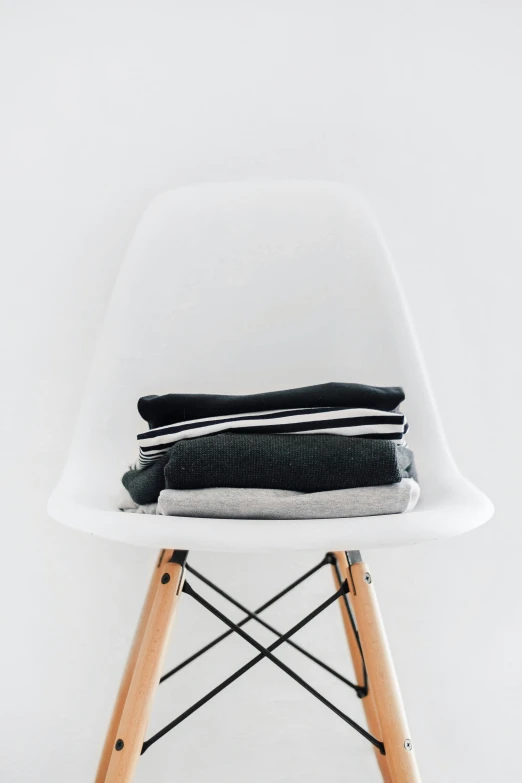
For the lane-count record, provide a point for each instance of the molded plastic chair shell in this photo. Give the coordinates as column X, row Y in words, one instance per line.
column 241, row 288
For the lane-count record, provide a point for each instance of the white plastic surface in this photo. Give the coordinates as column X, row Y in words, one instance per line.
column 251, row 287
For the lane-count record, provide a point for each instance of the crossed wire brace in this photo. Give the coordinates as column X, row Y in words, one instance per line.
column 247, row 619
column 266, row 652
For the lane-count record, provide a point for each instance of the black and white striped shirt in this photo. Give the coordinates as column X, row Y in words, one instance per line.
column 300, row 421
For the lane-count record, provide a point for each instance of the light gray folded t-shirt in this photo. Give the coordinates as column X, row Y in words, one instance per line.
column 240, row 503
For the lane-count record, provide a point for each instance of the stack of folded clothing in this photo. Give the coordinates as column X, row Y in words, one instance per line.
column 317, row 452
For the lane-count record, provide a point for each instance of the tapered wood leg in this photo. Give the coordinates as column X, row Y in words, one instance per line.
column 110, row 738
column 381, row 673
column 368, row 701
column 130, row 717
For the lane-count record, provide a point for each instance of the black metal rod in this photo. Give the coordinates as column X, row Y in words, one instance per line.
column 267, row 653
column 253, row 616
column 326, row 559
column 362, row 691
column 229, row 680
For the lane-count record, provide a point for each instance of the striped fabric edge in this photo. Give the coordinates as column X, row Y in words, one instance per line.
column 354, row 422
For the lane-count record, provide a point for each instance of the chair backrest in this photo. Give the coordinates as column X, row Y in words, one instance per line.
column 246, row 287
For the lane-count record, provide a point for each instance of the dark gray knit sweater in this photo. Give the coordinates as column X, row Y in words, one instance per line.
column 313, row 463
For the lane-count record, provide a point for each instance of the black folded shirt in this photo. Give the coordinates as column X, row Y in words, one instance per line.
column 165, row 409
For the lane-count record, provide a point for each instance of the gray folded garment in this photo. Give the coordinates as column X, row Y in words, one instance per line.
column 241, row 503
column 150, row 508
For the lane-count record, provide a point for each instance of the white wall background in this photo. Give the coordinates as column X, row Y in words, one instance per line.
column 104, row 105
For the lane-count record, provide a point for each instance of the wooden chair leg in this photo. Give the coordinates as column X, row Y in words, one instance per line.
column 381, row 673
column 111, row 737
column 126, row 733
column 370, row 710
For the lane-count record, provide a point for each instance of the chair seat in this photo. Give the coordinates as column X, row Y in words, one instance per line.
column 460, row 507
column 250, row 287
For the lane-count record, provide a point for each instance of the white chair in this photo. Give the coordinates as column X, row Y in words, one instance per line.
column 237, row 288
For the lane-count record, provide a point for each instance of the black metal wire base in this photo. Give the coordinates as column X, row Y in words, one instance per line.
column 267, row 652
